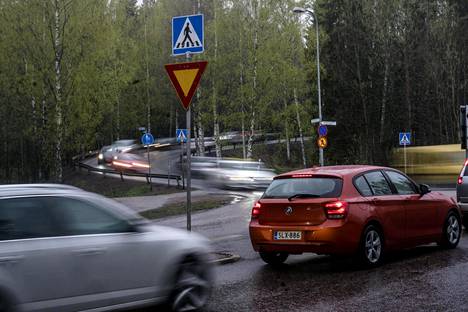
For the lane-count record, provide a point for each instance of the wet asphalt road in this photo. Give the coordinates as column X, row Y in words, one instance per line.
column 426, row 278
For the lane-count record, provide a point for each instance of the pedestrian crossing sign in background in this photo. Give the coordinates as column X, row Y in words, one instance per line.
column 405, row 138
column 187, row 34
column 181, row 135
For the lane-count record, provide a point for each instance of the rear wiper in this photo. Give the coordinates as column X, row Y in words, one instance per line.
column 303, row 196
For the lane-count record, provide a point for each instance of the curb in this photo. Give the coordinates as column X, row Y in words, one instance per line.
column 225, row 258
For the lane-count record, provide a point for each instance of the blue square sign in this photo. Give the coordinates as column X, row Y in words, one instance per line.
column 181, row 135
column 187, row 34
column 404, row 138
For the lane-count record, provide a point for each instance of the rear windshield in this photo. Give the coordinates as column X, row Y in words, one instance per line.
column 320, row 186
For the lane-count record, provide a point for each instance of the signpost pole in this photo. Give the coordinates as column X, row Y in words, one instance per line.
column 466, row 129
column 404, row 155
column 149, row 167
column 189, row 164
column 187, row 38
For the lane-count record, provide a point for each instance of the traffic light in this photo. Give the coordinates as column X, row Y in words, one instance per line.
column 463, row 118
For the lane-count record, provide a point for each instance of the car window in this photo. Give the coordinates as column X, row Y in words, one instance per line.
column 323, row 187
column 402, row 184
column 78, row 217
column 22, row 218
column 362, row 186
column 378, row 183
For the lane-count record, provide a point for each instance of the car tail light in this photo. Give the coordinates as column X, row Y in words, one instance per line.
column 462, row 173
column 302, row 175
column 336, row 209
column 256, row 210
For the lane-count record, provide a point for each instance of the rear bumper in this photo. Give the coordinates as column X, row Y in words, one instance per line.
column 331, row 237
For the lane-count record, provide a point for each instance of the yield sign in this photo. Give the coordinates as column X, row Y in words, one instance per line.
column 185, row 78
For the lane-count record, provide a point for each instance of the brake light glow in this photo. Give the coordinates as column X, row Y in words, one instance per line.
column 121, row 164
column 460, row 177
column 302, row 175
column 256, row 210
column 141, row 165
column 336, row 209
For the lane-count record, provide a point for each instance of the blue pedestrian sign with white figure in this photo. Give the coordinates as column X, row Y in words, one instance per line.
column 147, row 139
column 187, row 34
column 181, row 135
column 404, row 138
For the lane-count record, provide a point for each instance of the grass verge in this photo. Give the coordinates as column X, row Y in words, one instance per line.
column 114, row 187
column 179, row 208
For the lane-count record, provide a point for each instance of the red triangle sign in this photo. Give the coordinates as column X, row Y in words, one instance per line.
column 185, row 78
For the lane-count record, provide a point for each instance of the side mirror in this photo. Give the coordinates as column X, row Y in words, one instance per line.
column 424, row 189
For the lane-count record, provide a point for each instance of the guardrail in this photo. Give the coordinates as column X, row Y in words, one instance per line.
column 78, row 163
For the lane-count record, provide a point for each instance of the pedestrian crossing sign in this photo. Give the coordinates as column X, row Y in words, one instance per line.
column 181, row 135
column 187, row 34
column 405, row 138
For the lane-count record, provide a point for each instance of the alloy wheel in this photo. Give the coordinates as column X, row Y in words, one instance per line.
column 373, row 246
column 192, row 288
column 453, row 229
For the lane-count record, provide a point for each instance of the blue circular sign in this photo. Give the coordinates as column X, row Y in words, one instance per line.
column 147, row 139
column 322, row 130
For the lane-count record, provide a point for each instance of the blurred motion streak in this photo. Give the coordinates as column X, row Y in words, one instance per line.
column 438, row 164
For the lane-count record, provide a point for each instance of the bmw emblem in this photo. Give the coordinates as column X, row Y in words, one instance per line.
column 288, row 210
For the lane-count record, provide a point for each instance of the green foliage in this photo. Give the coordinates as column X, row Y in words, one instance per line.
column 386, row 66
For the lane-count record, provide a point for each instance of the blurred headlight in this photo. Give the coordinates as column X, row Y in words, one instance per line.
column 100, row 156
column 115, row 157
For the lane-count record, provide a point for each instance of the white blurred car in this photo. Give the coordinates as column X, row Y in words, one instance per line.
column 233, row 173
column 107, row 153
column 64, row 249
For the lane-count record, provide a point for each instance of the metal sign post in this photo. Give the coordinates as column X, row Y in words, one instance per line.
column 189, row 162
column 148, row 139
column 187, row 38
column 322, row 132
column 404, row 139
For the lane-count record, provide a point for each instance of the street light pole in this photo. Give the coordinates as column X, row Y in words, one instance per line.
column 314, row 16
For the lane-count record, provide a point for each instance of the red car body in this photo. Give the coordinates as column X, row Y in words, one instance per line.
column 337, row 225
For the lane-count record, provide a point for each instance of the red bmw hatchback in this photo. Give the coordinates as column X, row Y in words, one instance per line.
column 363, row 210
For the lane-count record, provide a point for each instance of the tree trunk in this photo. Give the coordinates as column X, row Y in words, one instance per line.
column 58, row 48
column 241, row 87
column 215, row 105
column 299, row 125
column 286, row 126
column 364, row 106
column 201, row 131
column 148, row 106
column 254, row 82
column 384, row 102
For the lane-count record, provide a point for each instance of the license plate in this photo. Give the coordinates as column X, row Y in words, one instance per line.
column 287, row 235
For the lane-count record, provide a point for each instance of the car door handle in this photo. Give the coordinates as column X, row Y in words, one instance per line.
column 90, row 251
column 11, row 259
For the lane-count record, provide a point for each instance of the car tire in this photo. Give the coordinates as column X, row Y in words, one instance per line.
column 371, row 249
column 274, row 258
column 451, row 231
column 192, row 287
